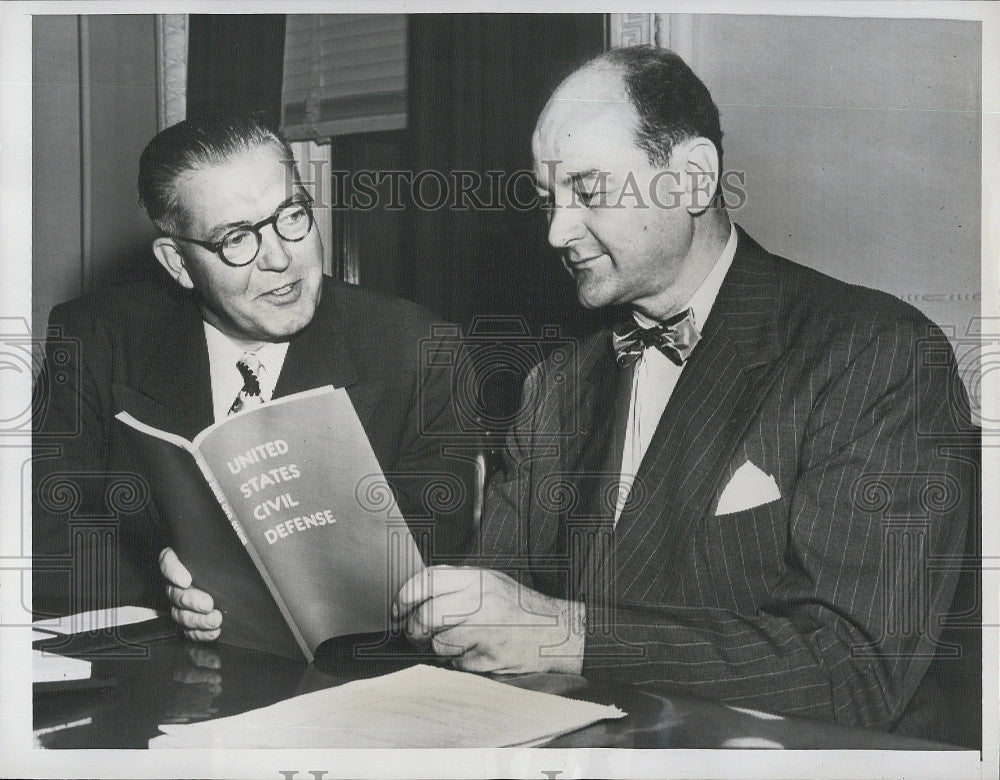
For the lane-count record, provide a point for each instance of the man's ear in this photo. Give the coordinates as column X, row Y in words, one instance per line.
column 170, row 257
column 701, row 172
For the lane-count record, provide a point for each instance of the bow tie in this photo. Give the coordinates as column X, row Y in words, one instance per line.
column 675, row 338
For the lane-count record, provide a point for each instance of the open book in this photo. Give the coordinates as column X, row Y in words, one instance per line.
column 283, row 515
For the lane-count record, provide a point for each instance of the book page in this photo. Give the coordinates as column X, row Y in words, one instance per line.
column 299, row 474
column 419, row 707
column 205, row 539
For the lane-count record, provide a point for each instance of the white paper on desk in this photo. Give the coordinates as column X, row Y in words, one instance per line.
column 419, row 707
column 95, row 620
column 49, row 667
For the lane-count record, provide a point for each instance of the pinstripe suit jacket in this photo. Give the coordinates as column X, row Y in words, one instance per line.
column 822, row 603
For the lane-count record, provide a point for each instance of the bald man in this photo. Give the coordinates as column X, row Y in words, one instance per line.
column 714, row 504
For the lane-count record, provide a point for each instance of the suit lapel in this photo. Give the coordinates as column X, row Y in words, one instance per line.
column 585, row 413
column 588, row 456
column 177, row 377
column 321, row 354
column 718, row 394
column 596, row 528
column 317, row 356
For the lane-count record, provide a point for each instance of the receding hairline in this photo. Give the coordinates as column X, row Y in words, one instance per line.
column 561, row 95
column 176, row 216
column 618, row 95
column 621, row 71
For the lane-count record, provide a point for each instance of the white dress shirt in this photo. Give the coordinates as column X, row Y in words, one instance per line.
column 655, row 376
column 223, row 353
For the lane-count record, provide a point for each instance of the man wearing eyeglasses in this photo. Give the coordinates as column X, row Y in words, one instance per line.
column 250, row 318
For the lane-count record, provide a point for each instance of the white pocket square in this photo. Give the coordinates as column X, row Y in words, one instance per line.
column 748, row 488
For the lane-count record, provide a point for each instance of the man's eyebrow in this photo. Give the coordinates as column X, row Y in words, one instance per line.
column 221, row 229
column 574, row 177
column 587, row 175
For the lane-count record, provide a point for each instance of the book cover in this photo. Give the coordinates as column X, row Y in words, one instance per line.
column 271, row 510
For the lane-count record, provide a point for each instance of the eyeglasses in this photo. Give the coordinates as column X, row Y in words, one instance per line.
column 240, row 246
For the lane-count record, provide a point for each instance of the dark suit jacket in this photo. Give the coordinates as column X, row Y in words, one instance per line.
column 150, row 338
column 824, row 603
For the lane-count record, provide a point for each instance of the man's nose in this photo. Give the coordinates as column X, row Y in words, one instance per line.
column 275, row 254
column 565, row 225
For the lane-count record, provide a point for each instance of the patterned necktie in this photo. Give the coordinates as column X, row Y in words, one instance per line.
column 249, row 368
column 675, row 338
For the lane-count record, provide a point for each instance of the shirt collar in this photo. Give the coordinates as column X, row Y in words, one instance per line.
column 223, row 353
column 704, row 297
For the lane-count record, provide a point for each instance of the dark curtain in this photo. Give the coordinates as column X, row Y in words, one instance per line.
column 235, row 62
column 477, row 83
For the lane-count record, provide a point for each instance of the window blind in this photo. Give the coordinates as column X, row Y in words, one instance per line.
column 344, row 73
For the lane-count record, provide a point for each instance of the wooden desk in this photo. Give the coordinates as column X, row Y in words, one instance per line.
column 170, row 680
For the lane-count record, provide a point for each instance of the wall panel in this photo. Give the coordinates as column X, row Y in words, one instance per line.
column 55, row 141
column 860, row 141
column 94, row 107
